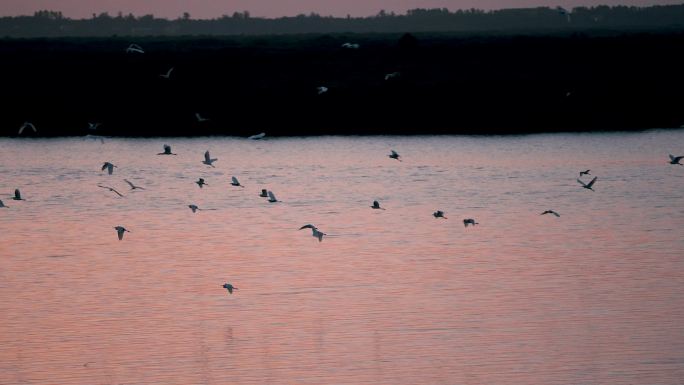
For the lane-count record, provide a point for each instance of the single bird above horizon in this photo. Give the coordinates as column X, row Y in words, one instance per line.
column 236, row 183
column 469, row 221
column 27, row 125
column 112, row 189
column 394, row 155
column 550, row 212
column 229, row 287
column 314, row 231
column 200, row 118
column 167, row 150
column 167, row 74
column 17, row 195
column 589, row 185
column 584, row 173
column 676, row 159
column 376, row 206
column 208, row 160
column 120, row 230
column 109, row 167
column 133, row 187
column 257, row 136
column 439, row 214
column 200, row 182
column 134, row 48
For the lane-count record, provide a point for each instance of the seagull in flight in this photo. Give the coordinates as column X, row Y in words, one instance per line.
column 201, row 183
column 589, row 185
column 395, row 155
column 167, row 150
column 236, row 183
column 264, row 193
column 120, row 230
column 133, row 187
column 314, row 231
column 167, row 74
column 272, row 197
column 17, row 195
column 201, row 119
column 93, row 126
column 469, row 221
column 208, row 160
column 112, row 189
column 676, row 159
column 322, row 89
column 2, row 205
column 229, row 287
column 134, row 48
column 550, row 212
column 195, row 208
column 257, row 136
column 584, row 173
column 439, row 214
column 376, row 206
column 27, row 125
column 109, row 167
column 392, row 75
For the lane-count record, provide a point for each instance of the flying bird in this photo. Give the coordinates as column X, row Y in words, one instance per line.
column 2, row 205
column 27, row 125
column 112, row 189
column 120, row 231
column 236, row 183
column 272, row 197
column 322, row 89
column 167, row 150
column 376, row 206
column 208, row 160
column 167, row 74
column 351, row 45
column 229, row 287
column 588, row 185
column 676, row 159
column 264, row 193
column 550, row 212
column 93, row 126
column 392, row 75
column 133, row 187
column 439, row 214
column 109, row 167
column 257, row 136
column 194, row 208
column 314, row 231
column 584, row 173
column 17, row 195
column 469, row 221
column 134, row 48
column 395, row 155
column 200, row 118
column 201, row 183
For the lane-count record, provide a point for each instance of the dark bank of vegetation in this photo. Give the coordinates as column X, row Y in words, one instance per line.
column 54, row 24
column 447, row 83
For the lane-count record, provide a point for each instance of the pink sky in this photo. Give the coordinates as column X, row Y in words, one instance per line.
column 274, row 8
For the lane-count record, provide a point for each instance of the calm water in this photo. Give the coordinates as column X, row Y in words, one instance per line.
column 388, row 297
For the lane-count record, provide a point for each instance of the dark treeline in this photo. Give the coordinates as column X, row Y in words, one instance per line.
column 54, row 24
column 445, row 84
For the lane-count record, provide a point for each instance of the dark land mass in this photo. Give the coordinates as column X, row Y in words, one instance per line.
column 446, row 84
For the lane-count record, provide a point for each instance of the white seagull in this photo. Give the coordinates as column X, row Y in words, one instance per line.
column 314, row 231
column 257, row 136
column 322, row 89
column 167, row 74
column 236, row 183
column 676, row 159
column 229, row 287
column 27, row 125
column 200, row 118
column 2, row 205
column 208, row 160
column 469, row 221
column 376, row 206
column 109, row 167
column 272, row 197
column 134, row 48
column 588, row 185
column 112, row 189
column 133, row 187
column 120, row 231
column 439, row 214
column 550, row 212
column 17, row 195
column 167, row 150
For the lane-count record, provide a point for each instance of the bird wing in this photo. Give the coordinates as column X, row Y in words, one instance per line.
column 271, row 195
column 167, row 148
column 308, row 226
column 677, row 159
column 580, row 182
column 104, row 166
column 672, row 157
column 17, row 194
column 555, row 213
column 120, row 233
column 235, row 181
column 592, row 182
column 129, row 183
column 207, row 157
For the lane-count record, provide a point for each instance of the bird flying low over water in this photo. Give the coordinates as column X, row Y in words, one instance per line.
column 112, row 189
column 676, row 159
column 469, row 221
column 200, row 182
column 208, row 160
column 376, row 206
column 167, row 150
column 17, row 195
column 439, row 214
column 257, row 136
column 394, row 155
column 584, row 173
column 272, row 197
column 2, row 205
column 229, row 287
column 550, row 212
column 120, row 230
column 134, row 48
column 264, row 193
column 589, row 185
column 167, row 74
column 200, row 118
column 27, row 125
column 236, row 183
column 109, row 167
column 133, row 187
column 314, row 231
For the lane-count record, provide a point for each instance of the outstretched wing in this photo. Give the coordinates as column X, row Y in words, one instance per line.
column 307, row 226
column 271, row 196
column 582, row 183
column 17, row 194
column 207, row 157
column 592, row 182
column 235, row 181
column 129, row 183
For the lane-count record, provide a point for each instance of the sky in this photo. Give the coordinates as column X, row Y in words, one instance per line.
column 204, row 9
